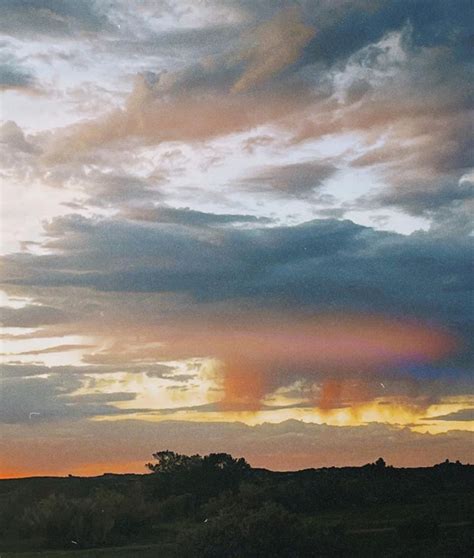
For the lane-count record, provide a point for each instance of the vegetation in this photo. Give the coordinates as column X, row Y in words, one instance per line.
column 216, row 506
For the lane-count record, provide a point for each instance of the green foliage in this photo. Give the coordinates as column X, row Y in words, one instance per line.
column 181, row 506
column 97, row 520
column 265, row 531
column 204, row 477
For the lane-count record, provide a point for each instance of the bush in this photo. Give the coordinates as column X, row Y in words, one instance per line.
column 86, row 522
column 268, row 531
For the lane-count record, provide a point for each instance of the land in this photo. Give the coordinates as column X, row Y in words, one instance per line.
column 222, row 508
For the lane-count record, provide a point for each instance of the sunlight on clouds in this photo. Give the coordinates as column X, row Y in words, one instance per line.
column 25, row 210
column 396, row 415
column 189, row 383
column 14, row 301
column 36, row 350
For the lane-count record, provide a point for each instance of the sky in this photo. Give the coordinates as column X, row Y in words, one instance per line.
column 236, row 226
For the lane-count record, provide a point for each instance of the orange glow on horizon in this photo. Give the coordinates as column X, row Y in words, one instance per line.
column 83, row 470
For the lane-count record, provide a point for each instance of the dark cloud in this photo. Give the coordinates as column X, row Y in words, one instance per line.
column 345, row 26
column 190, row 217
column 21, row 370
column 324, row 264
column 116, row 190
column 203, row 41
column 15, row 77
column 298, row 179
column 51, row 17
column 463, row 415
column 425, row 200
column 43, row 399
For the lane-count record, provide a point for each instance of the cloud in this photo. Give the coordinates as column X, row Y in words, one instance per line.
column 324, row 301
column 33, row 316
column 53, row 398
column 297, row 179
column 154, row 117
column 114, row 189
column 274, row 45
column 322, row 263
column 189, row 217
column 369, row 70
column 49, row 17
column 99, row 446
column 336, row 313
column 12, row 137
column 152, row 369
column 207, row 99
column 12, row 77
column 421, row 161
column 462, row 415
column 55, row 349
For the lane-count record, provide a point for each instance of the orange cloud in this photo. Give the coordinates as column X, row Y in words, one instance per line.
column 181, row 118
column 262, row 353
column 164, row 111
column 274, row 45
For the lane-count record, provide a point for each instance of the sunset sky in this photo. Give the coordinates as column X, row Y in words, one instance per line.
column 235, row 225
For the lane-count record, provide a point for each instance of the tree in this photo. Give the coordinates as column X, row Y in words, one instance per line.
column 171, row 462
column 203, row 477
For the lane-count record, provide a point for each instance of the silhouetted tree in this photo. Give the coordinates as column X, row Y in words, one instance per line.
column 203, row 477
column 171, row 462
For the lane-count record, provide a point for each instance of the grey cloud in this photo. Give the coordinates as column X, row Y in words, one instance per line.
column 446, row 200
column 13, row 137
column 15, row 77
column 345, row 26
column 21, row 370
column 190, row 217
column 298, row 179
column 420, row 201
column 421, row 159
column 180, row 377
column 161, row 371
column 55, row 349
column 455, row 218
column 51, row 17
column 205, row 41
column 33, row 316
column 115, row 190
column 463, row 415
column 323, row 264
column 43, row 399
